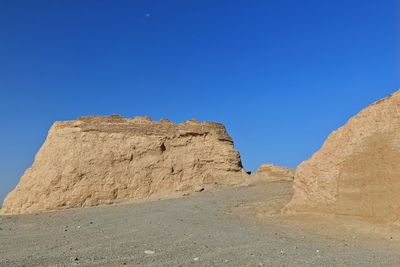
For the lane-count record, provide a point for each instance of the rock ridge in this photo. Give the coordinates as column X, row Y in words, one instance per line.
column 97, row 160
column 357, row 170
column 275, row 171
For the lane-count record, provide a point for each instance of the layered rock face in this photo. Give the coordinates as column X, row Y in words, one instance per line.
column 272, row 170
column 103, row 160
column 357, row 170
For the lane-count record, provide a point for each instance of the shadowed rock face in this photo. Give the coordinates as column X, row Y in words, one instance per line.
column 357, row 170
column 103, row 160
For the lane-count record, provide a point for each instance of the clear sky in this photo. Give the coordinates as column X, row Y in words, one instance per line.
column 280, row 74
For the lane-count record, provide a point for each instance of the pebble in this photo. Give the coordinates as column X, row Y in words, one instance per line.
column 196, row 259
column 149, row 252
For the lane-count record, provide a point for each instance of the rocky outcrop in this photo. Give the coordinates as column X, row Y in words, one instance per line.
column 274, row 171
column 103, row 160
column 357, row 170
column 268, row 173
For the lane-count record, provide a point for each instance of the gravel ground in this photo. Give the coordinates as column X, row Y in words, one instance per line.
column 217, row 228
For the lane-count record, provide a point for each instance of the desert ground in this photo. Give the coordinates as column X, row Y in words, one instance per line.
column 239, row 226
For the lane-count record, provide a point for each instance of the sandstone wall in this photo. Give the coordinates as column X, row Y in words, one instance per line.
column 357, row 170
column 103, row 160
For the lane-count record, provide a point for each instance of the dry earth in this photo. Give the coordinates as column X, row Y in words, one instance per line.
column 213, row 228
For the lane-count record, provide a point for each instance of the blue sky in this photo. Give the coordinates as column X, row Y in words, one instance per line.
column 281, row 75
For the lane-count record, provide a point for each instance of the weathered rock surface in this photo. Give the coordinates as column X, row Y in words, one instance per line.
column 103, row 160
column 274, row 171
column 268, row 173
column 357, row 170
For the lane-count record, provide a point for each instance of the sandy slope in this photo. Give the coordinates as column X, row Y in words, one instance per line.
column 221, row 228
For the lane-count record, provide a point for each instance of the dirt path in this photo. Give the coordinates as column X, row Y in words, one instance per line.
column 208, row 229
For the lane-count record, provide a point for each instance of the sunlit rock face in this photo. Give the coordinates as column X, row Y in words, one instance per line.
column 357, row 170
column 278, row 172
column 103, row 160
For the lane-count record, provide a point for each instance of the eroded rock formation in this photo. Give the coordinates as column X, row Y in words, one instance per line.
column 357, row 170
column 103, row 160
column 274, row 171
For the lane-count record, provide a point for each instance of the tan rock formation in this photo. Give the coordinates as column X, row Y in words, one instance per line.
column 268, row 173
column 274, row 171
column 357, row 170
column 103, row 160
